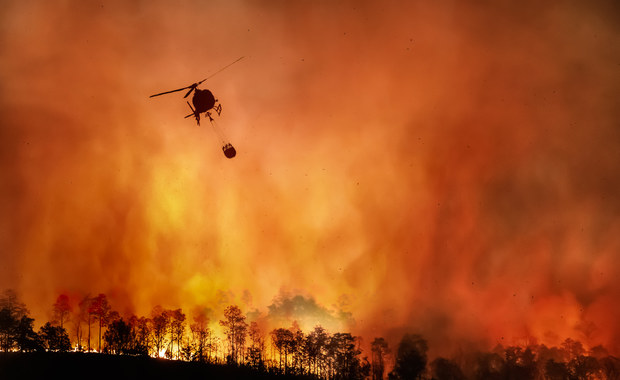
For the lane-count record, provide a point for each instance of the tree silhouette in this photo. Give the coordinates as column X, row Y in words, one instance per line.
column 61, row 309
column 296, row 347
column 556, row 370
column 11, row 302
column 379, row 349
column 410, row 358
column 100, row 309
column 610, row 367
column 316, row 350
column 572, row 348
column 235, row 329
column 176, row 319
column 8, row 323
column 489, row 365
column 118, row 337
column 282, row 340
column 544, row 354
column 159, row 328
column 89, row 317
column 79, row 316
column 26, row 339
column 446, row 369
column 344, row 351
column 256, row 350
column 12, row 311
column 318, row 354
column 201, row 334
column 520, row 363
column 140, row 327
column 583, row 367
column 55, row 338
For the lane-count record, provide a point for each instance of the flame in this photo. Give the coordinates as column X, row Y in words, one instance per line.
column 448, row 169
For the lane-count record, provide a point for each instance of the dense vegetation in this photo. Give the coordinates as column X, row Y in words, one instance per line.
column 110, row 344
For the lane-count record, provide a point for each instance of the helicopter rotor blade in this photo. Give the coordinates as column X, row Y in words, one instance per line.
column 190, row 107
column 222, row 69
column 168, row 92
column 193, row 87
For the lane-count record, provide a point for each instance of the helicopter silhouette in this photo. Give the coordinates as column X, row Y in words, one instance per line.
column 204, row 102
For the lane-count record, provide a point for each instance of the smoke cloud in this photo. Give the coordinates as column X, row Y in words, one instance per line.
column 449, row 170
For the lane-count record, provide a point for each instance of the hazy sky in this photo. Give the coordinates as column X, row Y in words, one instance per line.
column 447, row 169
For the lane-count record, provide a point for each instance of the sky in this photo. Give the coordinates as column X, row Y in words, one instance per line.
column 448, row 169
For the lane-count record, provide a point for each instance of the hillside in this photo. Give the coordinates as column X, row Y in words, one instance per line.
column 67, row 366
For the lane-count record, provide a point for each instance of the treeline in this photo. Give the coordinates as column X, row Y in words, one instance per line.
column 168, row 333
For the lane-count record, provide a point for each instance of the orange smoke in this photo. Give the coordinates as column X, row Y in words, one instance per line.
column 449, row 170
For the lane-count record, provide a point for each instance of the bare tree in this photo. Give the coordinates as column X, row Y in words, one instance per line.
column 257, row 347
column 282, row 340
column 11, row 302
column 159, row 321
column 176, row 319
column 61, row 309
column 297, row 347
column 79, row 316
column 235, row 329
column 201, row 334
column 316, row 346
column 141, row 332
column 100, row 309
column 379, row 348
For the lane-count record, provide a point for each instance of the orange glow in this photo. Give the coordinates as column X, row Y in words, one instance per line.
column 449, row 170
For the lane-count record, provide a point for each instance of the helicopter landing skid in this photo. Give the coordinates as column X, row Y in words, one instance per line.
column 217, row 109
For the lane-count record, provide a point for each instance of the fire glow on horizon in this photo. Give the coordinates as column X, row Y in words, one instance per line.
column 445, row 169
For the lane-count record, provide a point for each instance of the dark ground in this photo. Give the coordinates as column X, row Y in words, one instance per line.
column 65, row 366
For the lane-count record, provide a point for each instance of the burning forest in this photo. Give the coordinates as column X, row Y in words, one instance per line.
column 240, row 340
column 443, row 172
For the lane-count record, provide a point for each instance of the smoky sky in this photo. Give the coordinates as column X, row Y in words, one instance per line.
column 446, row 169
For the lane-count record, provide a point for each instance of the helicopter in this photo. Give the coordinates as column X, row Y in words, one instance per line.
column 204, row 102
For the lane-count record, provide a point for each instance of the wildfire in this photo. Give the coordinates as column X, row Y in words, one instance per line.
column 442, row 169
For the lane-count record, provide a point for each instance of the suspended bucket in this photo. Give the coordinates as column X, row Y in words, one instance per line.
column 229, row 150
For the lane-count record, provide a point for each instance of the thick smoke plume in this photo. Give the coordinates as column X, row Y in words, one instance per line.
column 449, row 170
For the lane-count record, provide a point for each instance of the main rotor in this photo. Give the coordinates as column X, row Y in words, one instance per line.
column 193, row 86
